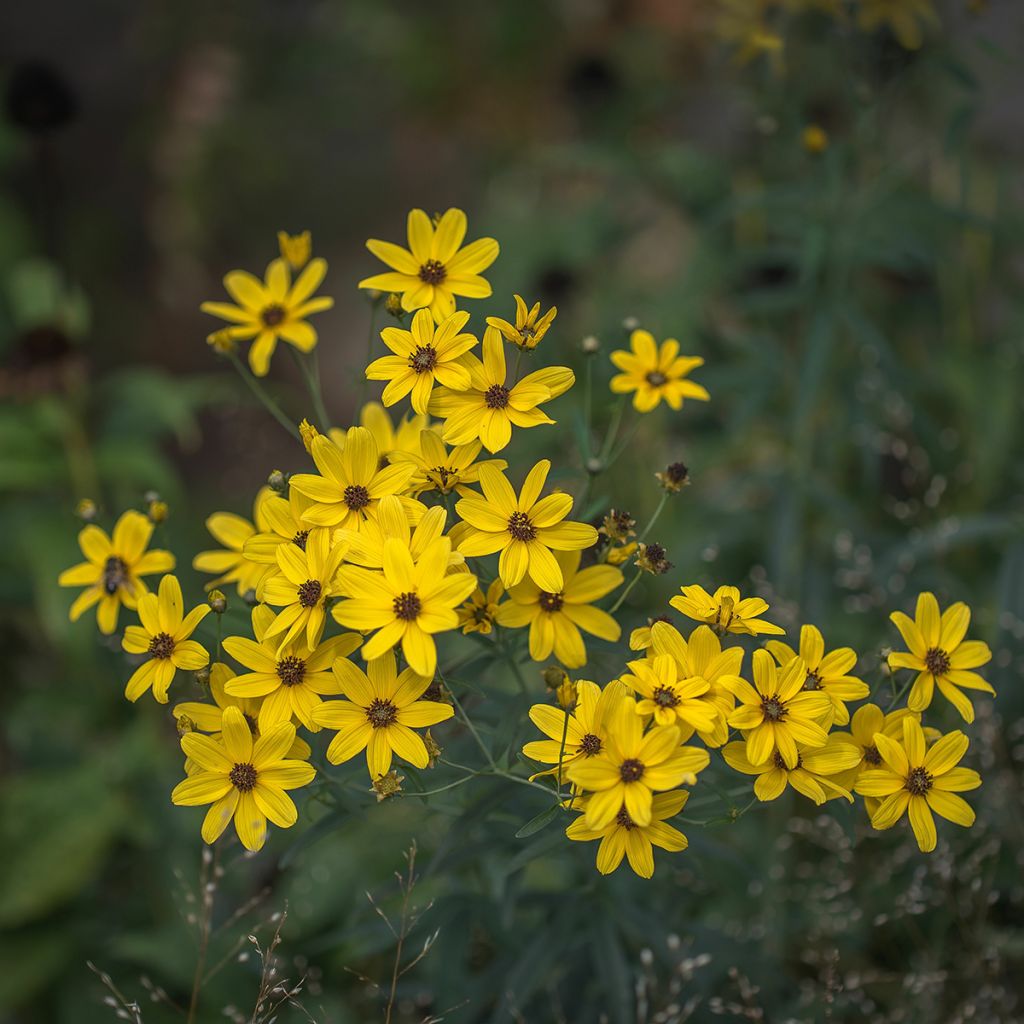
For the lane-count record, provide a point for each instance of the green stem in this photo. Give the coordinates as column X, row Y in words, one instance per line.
column 657, row 512
column 622, row 597
column 268, row 403
column 903, row 689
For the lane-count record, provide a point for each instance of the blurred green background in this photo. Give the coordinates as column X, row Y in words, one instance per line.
column 860, row 311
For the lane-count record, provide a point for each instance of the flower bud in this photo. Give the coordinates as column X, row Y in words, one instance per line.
column 590, row 346
column 157, row 511
column 86, row 510
column 278, row 482
column 202, row 676
column 815, row 139
column 295, row 249
column 393, row 304
column 223, row 342
column 553, row 677
column 566, row 694
column 433, row 750
column 217, row 601
column 308, row 433
column 185, row 725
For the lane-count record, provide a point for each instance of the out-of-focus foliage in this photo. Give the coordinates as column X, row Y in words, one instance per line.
column 860, row 315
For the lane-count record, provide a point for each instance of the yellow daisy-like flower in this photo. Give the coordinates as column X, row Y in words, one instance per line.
column 296, row 249
column 826, row 672
column 243, row 780
column 777, row 713
column 234, row 564
column 351, row 482
column 489, row 407
column 443, row 471
column 164, row 636
column 406, row 603
column 112, row 571
column 525, row 529
column 815, row 773
column 623, row 837
column 725, row 611
column 291, row 679
column 556, row 618
column 281, row 522
column 904, row 18
column 193, row 715
column 940, row 655
column 479, row 613
column 273, row 309
column 306, row 579
column 632, row 768
column 701, row 657
column 379, row 716
column 654, row 373
column 586, row 731
column 389, row 436
column 918, row 780
column 529, row 328
column 669, row 699
column 423, row 355
column 436, row 267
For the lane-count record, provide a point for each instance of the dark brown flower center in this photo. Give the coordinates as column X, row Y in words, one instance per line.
column 356, row 497
column 381, row 713
column 780, row 762
column 433, row 272
column 243, row 777
column 551, row 602
column 656, row 378
column 623, row 820
column 773, row 708
column 590, row 745
column 309, row 593
column 424, row 359
column 291, row 670
column 299, row 540
column 496, row 396
column 919, row 782
column 115, row 574
column 162, row 645
column 665, row 697
column 871, row 755
column 520, row 527
column 936, row 660
column 407, row 606
column 273, row 315
column 631, row 770
column 813, row 681
column 677, row 472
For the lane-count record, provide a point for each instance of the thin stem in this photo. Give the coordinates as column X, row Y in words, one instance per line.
column 622, row 597
column 268, row 403
column 897, row 697
column 468, row 723
column 519, row 359
column 317, row 391
column 561, row 749
column 613, row 429
column 207, row 872
column 654, row 518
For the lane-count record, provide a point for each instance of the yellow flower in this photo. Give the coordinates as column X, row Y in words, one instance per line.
column 382, row 709
column 556, row 618
column 631, row 768
column 305, row 580
column 290, row 679
column 655, row 373
column 477, row 615
column 586, row 732
column 918, row 780
column 530, row 327
column 725, row 611
column 670, row 699
column 826, row 672
column 904, row 18
column 940, row 655
column 164, row 636
column 443, row 471
column 702, row 658
column 406, row 603
column 272, row 309
column 525, row 529
column 435, row 268
column 234, row 564
column 296, row 249
column 624, row 837
column 488, row 407
column 242, row 780
column 196, row 715
column 351, row 482
column 815, row 138
column 280, row 521
column 405, row 437
column 814, row 772
column 776, row 713
column 618, row 556
column 421, row 356
column 112, row 571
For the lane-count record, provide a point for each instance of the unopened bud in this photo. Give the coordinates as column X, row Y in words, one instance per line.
column 185, row 725
column 223, row 342
column 202, row 676
column 393, row 304
column 295, row 249
column 278, row 482
column 566, row 694
column 308, row 433
column 630, row 324
column 553, row 677
column 590, row 345
column 86, row 510
column 217, row 601
column 249, row 597
column 157, row 511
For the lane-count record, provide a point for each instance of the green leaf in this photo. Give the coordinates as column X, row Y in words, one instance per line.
column 536, row 824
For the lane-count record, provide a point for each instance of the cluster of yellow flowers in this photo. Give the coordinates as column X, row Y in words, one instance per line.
column 355, row 567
